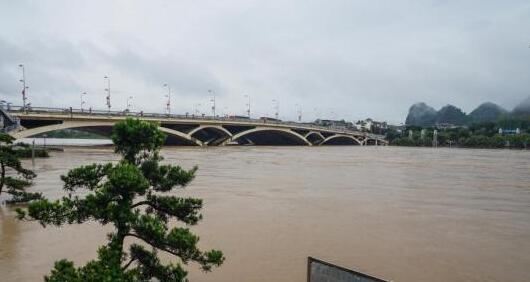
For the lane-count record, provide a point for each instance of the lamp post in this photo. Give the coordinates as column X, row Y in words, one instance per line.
column 195, row 108
column 168, row 103
column 108, row 91
column 129, row 103
column 212, row 99
column 276, row 107
column 299, row 112
column 82, row 101
column 248, row 105
column 24, row 87
column 317, row 113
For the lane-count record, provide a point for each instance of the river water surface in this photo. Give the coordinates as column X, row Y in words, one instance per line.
column 406, row 214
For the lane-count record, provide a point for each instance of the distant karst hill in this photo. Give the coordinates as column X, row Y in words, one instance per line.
column 487, row 112
column 523, row 109
column 421, row 114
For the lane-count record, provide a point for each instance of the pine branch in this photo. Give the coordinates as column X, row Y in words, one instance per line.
column 87, row 177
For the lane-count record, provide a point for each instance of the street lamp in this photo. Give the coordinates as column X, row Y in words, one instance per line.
column 276, row 107
column 108, row 91
column 212, row 99
column 299, row 112
column 168, row 103
column 82, row 101
column 248, row 105
column 195, row 108
column 129, row 103
column 24, row 87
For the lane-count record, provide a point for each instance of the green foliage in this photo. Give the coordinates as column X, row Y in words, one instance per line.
column 25, row 153
column 131, row 196
column 136, row 140
column 392, row 134
column 452, row 115
column 13, row 175
column 477, row 135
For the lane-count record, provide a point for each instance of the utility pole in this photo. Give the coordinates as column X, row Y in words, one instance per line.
column 108, row 91
column 24, row 87
column 213, row 101
column 248, row 105
column 82, row 101
column 168, row 103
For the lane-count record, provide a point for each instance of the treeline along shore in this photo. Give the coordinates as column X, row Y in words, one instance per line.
column 488, row 126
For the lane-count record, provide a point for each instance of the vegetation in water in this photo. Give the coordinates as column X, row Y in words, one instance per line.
column 133, row 196
column 25, row 151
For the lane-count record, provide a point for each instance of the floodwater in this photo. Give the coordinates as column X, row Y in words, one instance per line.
column 406, row 214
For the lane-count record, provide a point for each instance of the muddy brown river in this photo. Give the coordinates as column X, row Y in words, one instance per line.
column 405, row 214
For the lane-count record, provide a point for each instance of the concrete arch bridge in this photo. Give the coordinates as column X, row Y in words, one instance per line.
column 193, row 131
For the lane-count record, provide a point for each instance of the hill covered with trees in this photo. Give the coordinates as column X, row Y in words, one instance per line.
column 421, row 114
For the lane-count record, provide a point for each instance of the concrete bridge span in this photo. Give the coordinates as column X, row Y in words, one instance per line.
column 193, row 131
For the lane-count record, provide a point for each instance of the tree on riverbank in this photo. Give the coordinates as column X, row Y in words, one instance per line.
column 13, row 176
column 132, row 196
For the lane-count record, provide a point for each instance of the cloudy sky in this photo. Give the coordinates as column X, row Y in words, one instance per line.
column 336, row 59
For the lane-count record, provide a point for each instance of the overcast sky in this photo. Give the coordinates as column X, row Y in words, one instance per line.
column 337, row 59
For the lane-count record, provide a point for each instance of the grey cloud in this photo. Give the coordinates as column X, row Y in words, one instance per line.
column 356, row 59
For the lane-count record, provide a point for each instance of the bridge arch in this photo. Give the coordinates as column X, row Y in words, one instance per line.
column 294, row 137
column 214, row 127
column 341, row 139
column 210, row 134
column 104, row 126
column 314, row 137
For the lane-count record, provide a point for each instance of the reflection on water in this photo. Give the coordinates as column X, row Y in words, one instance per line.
column 407, row 214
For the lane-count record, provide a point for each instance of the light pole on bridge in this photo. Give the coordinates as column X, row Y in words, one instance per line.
column 195, row 108
column 299, row 112
column 108, row 91
column 129, row 103
column 82, row 101
column 212, row 100
column 248, row 104
column 168, row 103
column 276, row 107
column 24, row 87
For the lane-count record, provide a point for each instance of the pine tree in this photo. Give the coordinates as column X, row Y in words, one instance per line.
column 13, row 175
column 132, row 196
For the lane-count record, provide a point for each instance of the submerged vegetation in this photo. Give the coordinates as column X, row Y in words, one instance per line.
column 131, row 195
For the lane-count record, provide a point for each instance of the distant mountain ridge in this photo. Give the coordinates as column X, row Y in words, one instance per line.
column 523, row 108
column 421, row 114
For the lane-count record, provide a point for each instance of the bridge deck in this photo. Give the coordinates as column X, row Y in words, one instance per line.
column 72, row 118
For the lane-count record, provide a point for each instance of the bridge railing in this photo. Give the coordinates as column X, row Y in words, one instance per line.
column 94, row 112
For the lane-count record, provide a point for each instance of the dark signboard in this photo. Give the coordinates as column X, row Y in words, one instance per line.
column 321, row 271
